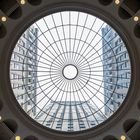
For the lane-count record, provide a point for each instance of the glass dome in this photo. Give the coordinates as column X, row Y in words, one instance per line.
column 70, row 71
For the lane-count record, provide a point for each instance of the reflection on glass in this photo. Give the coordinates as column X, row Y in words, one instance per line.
column 70, row 71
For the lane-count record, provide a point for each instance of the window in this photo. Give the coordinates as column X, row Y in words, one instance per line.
column 125, row 64
column 120, row 39
column 116, row 43
column 29, row 87
column 115, row 34
column 111, row 80
column 29, row 103
column 82, row 126
column 29, row 80
column 92, row 123
column 58, row 127
column 48, row 124
column 111, row 87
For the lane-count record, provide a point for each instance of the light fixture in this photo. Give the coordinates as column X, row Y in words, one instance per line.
column 117, row 2
column 3, row 18
column 0, row 118
column 17, row 138
column 22, row 2
column 136, row 18
column 123, row 137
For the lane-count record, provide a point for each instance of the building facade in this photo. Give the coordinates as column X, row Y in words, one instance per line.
column 23, row 70
column 116, row 70
column 70, row 116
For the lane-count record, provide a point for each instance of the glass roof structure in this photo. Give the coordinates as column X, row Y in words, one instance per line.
column 70, row 71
